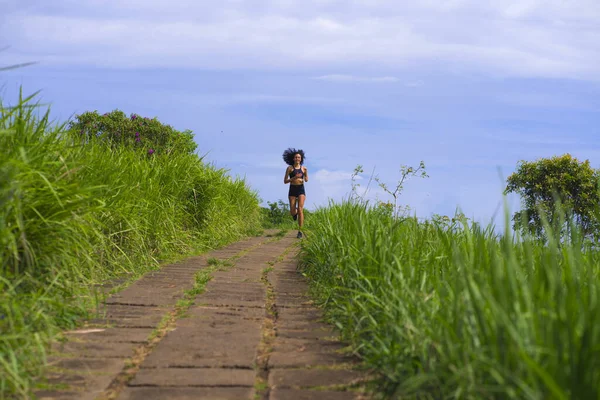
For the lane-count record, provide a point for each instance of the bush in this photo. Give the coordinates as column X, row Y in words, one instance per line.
column 277, row 215
column 116, row 129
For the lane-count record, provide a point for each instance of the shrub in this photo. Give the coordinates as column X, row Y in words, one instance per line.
column 135, row 131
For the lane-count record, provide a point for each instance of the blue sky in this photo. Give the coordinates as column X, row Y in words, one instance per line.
column 469, row 87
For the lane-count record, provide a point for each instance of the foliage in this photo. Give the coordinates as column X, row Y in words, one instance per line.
column 355, row 185
column 387, row 207
column 453, row 224
column 553, row 191
column 135, row 131
column 75, row 215
column 446, row 309
column 277, row 215
column 406, row 172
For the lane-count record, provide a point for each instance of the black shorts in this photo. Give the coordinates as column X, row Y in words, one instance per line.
column 296, row 190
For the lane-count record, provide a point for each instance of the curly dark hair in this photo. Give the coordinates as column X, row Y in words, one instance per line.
column 288, row 156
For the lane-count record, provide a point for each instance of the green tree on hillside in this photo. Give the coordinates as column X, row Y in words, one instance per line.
column 554, row 189
column 116, row 129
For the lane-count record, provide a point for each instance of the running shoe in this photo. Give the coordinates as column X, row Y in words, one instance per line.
column 299, row 236
column 295, row 216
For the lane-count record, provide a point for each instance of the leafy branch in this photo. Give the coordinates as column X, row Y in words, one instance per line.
column 407, row 172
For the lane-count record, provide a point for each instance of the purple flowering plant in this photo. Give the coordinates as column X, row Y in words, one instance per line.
column 116, row 129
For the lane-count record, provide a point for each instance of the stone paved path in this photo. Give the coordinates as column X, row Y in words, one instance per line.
column 253, row 333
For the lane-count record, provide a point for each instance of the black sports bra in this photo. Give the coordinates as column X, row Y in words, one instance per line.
column 293, row 172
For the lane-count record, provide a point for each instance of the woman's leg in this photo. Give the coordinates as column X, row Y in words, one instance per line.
column 293, row 210
column 301, row 199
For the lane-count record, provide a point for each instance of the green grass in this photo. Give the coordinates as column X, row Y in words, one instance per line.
column 456, row 311
column 220, row 263
column 74, row 215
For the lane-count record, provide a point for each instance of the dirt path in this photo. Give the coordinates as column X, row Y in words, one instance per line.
column 252, row 333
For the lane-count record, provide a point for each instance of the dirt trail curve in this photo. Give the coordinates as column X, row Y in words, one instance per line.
column 251, row 334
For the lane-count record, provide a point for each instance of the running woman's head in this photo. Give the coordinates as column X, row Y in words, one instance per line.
column 290, row 155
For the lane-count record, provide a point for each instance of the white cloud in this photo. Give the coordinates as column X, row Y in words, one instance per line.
column 414, row 84
column 353, row 78
column 550, row 38
column 270, row 98
column 330, row 185
column 325, row 176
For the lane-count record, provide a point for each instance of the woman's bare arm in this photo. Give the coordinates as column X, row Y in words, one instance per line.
column 305, row 174
column 286, row 177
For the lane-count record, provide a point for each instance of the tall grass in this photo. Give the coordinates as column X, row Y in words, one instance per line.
column 74, row 214
column 456, row 311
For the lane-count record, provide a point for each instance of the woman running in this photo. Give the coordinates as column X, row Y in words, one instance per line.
column 296, row 174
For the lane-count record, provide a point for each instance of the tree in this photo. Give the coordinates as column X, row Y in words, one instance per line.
column 116, row 129
column 556, row 189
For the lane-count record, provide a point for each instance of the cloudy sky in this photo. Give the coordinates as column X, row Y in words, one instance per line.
column 468, row 86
